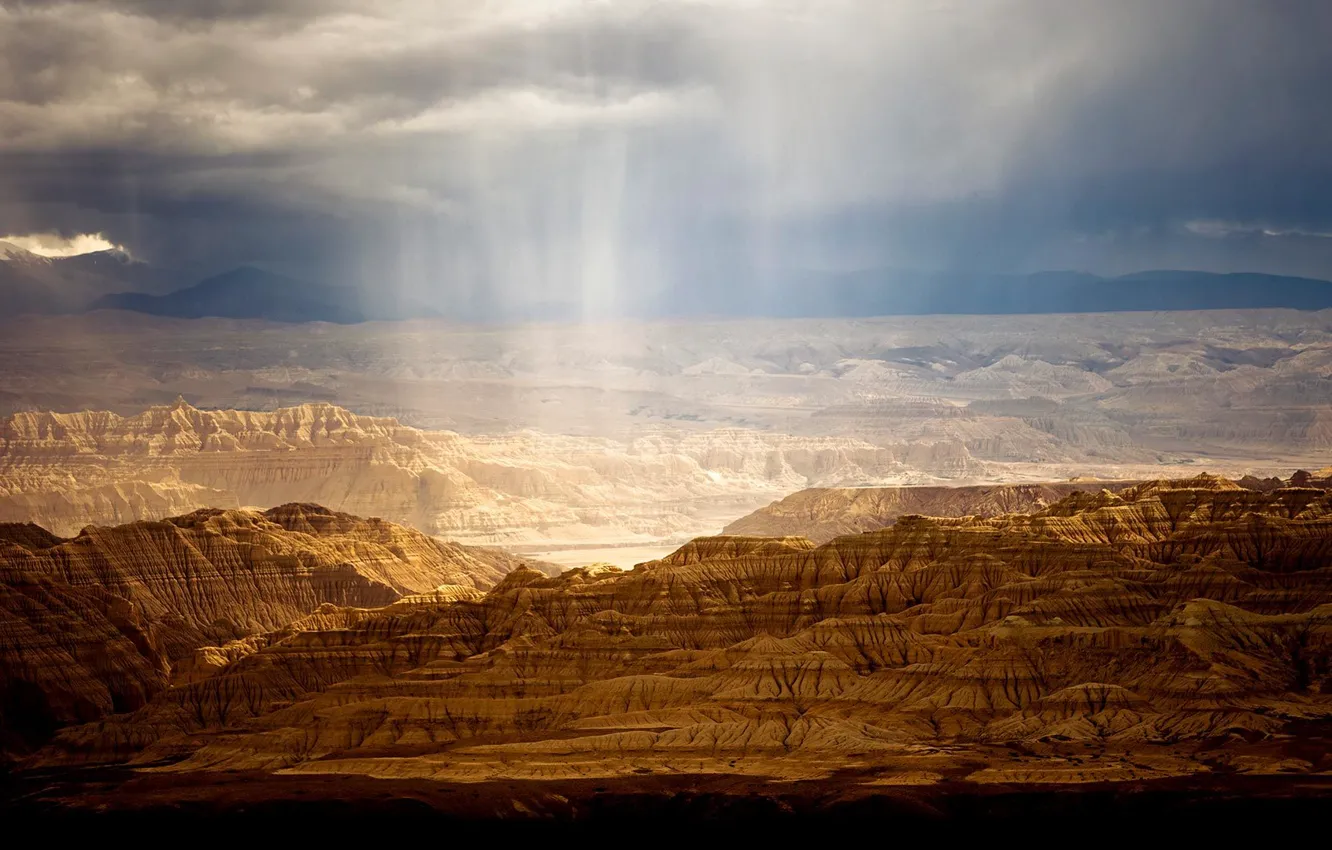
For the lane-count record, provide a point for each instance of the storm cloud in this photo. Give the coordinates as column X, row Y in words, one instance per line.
column 638, row 155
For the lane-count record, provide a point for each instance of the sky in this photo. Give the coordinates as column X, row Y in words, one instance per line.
column 631, row 155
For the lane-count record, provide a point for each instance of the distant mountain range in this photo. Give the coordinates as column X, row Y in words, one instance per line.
column 112, row 280
column 251, row 293
column 31, row 283
column 911, row 293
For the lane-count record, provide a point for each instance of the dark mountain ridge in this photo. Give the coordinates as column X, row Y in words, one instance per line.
column 903, row 293
column 32, row 283
column 113, row 280
column 252, row 293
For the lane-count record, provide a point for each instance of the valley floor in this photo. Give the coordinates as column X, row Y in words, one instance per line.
column 624, row 557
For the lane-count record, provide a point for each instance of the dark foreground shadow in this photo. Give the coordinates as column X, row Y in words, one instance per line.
column 690, row 811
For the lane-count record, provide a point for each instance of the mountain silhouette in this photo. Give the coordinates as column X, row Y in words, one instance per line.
column 252, row 293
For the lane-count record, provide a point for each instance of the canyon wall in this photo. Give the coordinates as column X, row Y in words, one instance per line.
column 65, row 471
column 1174, row 628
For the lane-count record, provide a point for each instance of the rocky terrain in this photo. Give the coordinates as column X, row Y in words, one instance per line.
column 578, row 436
column 821, row 514
column 1177, row 629
column 824, row 513
column 64, row 471
column 1091, row 394
column 581, row 437
column 102, row 622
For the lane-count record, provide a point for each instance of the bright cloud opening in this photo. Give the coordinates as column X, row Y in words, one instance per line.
column 55, row 245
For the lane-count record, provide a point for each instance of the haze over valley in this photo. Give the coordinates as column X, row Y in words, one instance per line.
column 553, row 436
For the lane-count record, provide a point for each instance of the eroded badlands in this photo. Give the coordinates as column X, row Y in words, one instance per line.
column 1176, row 628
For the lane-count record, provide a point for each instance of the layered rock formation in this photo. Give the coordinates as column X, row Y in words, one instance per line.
column 824, row 513
column 1173, row 628
column 1128, row 396
column 98, row 623
column 64, row 471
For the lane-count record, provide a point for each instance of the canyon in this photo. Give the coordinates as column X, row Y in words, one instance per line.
column 1175, row 629
column 563, row 437
column 597, row 439
column 665, row 421
column 67, row 471
column 957, row 556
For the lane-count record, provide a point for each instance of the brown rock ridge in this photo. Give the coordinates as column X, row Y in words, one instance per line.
column 824, row 513
column 1173, row 628
column 98, row 623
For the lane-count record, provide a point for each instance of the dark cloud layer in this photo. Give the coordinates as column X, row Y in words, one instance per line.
column 637, row 155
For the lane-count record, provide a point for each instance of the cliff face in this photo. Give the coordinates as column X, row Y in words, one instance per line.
column 100, row 622
column 1172, row 628
column 823, row 513
column 64, row 471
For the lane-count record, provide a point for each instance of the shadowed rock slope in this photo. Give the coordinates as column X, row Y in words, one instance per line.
column 1174, row 628
column 101, row 622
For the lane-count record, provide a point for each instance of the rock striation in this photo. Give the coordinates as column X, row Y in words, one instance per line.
column 824, row 513
column 64, row 471
column 1172, row 628
column 100, row 622
column 957, row 399
column 821, row 514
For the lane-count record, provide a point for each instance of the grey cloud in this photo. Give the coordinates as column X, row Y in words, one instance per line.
column 636, row 153
column 206, row 12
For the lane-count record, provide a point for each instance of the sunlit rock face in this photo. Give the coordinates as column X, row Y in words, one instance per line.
column 643, row 434
column 65, row 471
column 824, row 513
column 99, row 623
column 1166, row 629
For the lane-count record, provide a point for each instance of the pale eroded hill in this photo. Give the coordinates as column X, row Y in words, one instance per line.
column 1077, row 394
column 64, row 471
